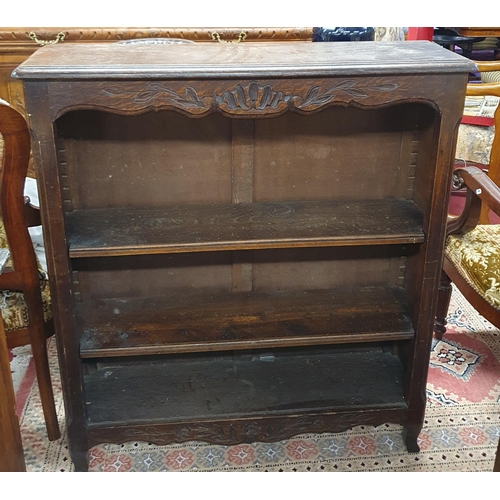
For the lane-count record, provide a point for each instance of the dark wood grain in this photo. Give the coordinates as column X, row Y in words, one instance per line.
column 190, row 323
column 242, row 226
column 235, row 98
column 59, row 272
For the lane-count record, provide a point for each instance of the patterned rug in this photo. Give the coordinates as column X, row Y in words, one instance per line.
column 461, row 429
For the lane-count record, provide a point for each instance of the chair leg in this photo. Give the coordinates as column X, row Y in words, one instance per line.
column 40, row 356
column 443, row 304
column 11, row 445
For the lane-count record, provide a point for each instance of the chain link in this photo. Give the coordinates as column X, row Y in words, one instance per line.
column 216, row 37
column 59, row 38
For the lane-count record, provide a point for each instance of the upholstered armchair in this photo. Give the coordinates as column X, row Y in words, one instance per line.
column 480, row 138
column 24, row 291
column 13, row 305
column 472, row 251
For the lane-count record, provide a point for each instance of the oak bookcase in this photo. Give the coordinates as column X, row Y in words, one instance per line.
column 244, row 240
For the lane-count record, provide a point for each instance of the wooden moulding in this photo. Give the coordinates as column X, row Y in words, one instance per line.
column 20, row 36
column 245, row 430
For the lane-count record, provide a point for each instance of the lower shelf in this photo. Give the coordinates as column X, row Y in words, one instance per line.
column 258, row 384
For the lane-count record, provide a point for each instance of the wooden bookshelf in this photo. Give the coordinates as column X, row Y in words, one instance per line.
column 244, row 240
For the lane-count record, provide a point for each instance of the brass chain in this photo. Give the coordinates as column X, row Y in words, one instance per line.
column 59, row 38
column 216, row 38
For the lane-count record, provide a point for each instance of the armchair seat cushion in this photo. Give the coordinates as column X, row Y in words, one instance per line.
column 476, row 256
column 12, row 304
column 14, row 309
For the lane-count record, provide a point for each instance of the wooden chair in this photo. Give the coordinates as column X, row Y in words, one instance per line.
column 11, row 446
column 490, row 73
column 472, row 252
column 26, row 314
column 472, row 258
column 470, row 233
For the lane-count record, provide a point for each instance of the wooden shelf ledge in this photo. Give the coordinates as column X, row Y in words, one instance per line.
column 244, row 320
column 244, row 226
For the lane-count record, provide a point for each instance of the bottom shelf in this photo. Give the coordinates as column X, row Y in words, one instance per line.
column 218, row 386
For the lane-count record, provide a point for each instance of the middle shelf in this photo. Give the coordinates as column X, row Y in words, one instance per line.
column 243, row 226
column 194, row 322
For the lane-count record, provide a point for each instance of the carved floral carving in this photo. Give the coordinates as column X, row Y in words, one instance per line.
column 190, row 98
column 248, row 99
column 234, row 432
column 252, row 97
column 350, row 87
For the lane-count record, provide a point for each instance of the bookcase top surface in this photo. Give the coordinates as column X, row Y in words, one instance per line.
column 273, row 60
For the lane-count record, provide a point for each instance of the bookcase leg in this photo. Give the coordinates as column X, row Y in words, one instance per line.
column 410, row 437
column 80, row 461
column 78, row 448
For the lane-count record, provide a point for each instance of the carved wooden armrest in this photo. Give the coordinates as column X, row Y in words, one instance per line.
column 485, row 66
column 480, row 188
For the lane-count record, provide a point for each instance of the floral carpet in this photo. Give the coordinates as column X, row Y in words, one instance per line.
column 461, row 430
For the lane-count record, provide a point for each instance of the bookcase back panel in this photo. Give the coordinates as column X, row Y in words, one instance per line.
column 147, row 160
column 335, row 154
column 152, row 275
column 338, row 153
column 263, row 270
column 323, row 268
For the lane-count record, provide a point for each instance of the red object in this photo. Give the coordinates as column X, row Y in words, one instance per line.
column 420, row 34
column 485, row 121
